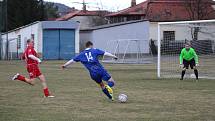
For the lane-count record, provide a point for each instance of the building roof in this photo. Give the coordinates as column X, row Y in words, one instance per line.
column 139, row 9
column 81, row 13
column 163, row 10
column 49, row 25
column 175, row 10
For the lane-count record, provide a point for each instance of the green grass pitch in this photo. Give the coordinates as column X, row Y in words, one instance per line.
column 78, row 98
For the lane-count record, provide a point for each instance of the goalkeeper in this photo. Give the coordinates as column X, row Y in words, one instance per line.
column 188, row 57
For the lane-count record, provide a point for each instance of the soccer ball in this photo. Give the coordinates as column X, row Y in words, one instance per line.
column 122, row 98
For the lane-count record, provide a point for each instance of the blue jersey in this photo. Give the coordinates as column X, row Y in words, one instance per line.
column 89, row 58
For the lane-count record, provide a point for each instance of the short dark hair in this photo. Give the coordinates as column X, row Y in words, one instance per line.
column 29, row 40
column 88, row 44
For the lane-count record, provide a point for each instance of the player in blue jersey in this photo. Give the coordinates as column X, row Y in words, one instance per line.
column 89, row 58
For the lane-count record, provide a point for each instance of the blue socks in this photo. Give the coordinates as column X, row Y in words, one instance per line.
column 107, row 93
column 110, row 83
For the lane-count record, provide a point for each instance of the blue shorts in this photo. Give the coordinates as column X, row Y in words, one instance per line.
column 100, row 75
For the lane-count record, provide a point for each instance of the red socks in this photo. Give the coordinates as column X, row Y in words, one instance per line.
column 21, row 78
column 46, row 92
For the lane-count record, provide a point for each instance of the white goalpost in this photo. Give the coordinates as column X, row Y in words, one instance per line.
column 128, row 51
column 171, row 39
column 12, row 50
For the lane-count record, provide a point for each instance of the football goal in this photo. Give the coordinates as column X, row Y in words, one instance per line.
column 171, row 39
column 129, row 51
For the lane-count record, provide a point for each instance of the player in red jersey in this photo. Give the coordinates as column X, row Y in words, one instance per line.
column 31, row 58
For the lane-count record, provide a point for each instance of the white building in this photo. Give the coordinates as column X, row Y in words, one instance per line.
column 137, row 32
column 53, row 39
column 146, row 32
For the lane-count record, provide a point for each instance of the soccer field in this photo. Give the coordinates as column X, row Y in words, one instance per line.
column 78, row 98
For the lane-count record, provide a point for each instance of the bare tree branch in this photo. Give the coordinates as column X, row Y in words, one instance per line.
column 198, row 10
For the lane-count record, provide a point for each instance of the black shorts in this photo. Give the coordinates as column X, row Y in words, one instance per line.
column 190, row 63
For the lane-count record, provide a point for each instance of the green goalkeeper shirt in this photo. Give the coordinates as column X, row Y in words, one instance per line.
column 188, row 55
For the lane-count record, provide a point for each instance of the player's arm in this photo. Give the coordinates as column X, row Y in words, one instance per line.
column 181, row 57
column 196, row 58
column 103, row 53
column 110, row 55
column 34, row 58
column 68, row 63
column 72, row 61
column 31, row 54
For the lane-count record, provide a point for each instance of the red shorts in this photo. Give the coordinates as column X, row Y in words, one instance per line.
column 33, row 71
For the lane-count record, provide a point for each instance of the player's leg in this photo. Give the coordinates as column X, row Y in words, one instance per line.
column 193, row 66
column 183, row 73
column 98, row 79
column 106, row 77
column 23, row 79
column 110, row 81
column 45, row 87
column 186, row 66
column 196, row 73
column 30, row 69
column 105, row 90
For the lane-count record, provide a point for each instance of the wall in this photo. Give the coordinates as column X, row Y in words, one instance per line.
column 87, row 22
column 84, row 37
column 138, row 30
column 25, row 33
column 84, row 21
column 182, row 32
column 77, row 39
column 64, row 25
column 36, row 29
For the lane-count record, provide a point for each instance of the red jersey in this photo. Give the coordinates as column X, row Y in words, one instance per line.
column 29, row 51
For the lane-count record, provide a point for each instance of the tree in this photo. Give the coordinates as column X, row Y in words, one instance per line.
column 1, row 16
column 18, row 13
column 51, row 10
column 22, row 12
column 199, row 10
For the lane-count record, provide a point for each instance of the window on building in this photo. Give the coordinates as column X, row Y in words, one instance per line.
column 19, row 42
column 168, row 36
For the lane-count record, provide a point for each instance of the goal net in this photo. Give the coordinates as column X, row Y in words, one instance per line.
column 129, row 51
column 171, row 39
column 10, row 49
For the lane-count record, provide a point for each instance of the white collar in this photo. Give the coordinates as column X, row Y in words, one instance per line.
column 87, row 48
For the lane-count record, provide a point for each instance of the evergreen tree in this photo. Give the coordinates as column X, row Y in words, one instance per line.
column 22, row 12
